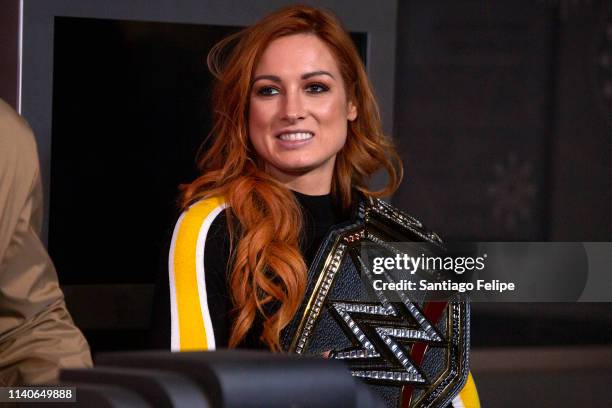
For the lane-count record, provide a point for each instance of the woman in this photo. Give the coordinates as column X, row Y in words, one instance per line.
column 296, row 125
column 296, row 136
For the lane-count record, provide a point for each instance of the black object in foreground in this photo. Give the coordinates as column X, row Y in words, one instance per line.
column 227, row 378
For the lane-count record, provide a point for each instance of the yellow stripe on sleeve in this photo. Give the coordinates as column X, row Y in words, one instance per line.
column 191, row 322
column 468, row 396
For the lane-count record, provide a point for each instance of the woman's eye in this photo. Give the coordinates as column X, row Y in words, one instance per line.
column 267, row 91
column 317, row 88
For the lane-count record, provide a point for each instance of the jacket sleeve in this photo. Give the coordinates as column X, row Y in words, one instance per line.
column 37, row 334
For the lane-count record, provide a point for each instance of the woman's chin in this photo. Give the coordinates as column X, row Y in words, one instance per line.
column 297, row 169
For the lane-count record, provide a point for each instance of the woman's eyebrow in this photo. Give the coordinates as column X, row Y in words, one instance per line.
column 316, row 73
column 277, row 79
column 272, row 78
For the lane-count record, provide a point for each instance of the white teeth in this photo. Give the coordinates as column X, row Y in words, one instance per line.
column 296, row 136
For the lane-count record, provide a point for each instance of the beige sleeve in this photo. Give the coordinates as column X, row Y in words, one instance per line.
column 37, row 334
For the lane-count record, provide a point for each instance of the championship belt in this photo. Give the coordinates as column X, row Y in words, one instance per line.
column 414, row 352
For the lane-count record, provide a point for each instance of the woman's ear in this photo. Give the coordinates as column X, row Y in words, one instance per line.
column 351, row 111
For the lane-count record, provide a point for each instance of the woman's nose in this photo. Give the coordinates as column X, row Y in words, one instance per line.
column 294, row 107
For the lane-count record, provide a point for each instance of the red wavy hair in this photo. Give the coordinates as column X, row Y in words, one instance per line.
column 264, row 218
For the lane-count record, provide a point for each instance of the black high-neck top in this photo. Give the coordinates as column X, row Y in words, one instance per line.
column 320, row 214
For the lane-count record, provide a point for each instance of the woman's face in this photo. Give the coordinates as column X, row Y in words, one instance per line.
column 298, row 108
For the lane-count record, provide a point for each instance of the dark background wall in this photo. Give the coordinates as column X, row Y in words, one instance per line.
column 474, row 121
column 582, row 146
column 502, row 119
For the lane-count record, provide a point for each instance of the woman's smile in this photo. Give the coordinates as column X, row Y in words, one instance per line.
column 295, row 139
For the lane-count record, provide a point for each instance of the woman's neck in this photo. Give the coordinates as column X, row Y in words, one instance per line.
column 316, row 182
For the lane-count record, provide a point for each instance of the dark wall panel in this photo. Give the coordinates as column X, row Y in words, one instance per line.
column 504, row 116
column 130, row 108
column 473, row 116
column 582, row 183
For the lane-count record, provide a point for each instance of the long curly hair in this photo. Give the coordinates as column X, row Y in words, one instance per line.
column 267, row 270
